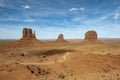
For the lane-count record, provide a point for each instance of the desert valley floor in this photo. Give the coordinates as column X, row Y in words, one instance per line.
column 60, row 61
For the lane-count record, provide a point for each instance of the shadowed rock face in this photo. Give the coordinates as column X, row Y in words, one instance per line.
column 27, row 33
column 89, row 35
column 61, row 39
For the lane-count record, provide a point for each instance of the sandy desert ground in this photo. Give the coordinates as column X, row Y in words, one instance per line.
column 60, row 61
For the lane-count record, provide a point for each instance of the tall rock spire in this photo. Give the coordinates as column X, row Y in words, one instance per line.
column 61, row 39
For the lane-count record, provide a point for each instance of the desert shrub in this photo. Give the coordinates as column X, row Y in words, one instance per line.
column 61, row 76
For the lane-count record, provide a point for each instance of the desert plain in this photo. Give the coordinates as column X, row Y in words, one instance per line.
column 29, row 60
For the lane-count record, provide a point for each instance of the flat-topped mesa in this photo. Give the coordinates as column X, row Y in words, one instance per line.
column 61, row 39
column 90, row 35
column 27, row 33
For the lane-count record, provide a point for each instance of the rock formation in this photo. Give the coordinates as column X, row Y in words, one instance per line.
column 27, row 33
column 61, row 39
column 91, row 37
column 28, row 39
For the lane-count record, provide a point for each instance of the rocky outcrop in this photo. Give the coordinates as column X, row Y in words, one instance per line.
column 61, row 39
column 28, row 40
column 91, row 37
column 27, row 33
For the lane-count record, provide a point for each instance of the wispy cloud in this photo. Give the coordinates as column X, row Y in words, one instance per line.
column 77, row 9
column 102, row 18
column 10, row 18
column 17, row 19
column 82, row 9
column 73, row 9
column 29, row 20
column 117, row 13
column 89, row 21
column 26, row 6
column 78, row 19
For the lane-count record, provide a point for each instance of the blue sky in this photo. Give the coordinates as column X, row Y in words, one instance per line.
column 49, row 18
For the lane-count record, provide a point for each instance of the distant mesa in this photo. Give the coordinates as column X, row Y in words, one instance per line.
column 91, row 37
column 28, row 39
column 27, row 33
column 61, row 39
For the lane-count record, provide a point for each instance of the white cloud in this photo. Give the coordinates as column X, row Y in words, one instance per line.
column 73, row 9
column 26, row 6
column 76, row 19
column 90, row 22
column 29, row 20
column 77, row 9
column 117, row 15
column 79, row 18
column 102, row 18
column 82, row 9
